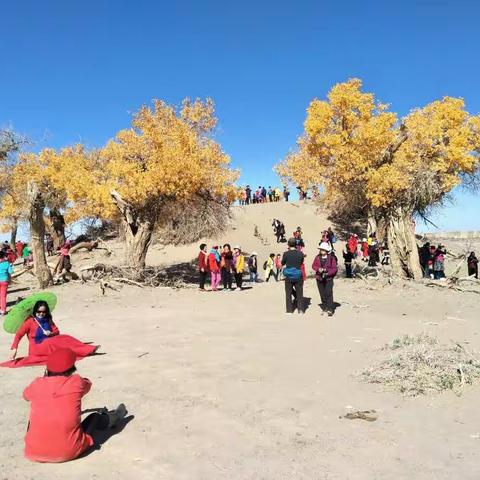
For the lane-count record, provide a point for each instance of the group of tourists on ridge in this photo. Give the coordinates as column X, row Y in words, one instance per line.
column 263, row 195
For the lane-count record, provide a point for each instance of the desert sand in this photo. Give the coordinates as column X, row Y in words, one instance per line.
column 226, row 386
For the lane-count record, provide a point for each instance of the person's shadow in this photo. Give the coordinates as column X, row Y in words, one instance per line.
column 101, row 436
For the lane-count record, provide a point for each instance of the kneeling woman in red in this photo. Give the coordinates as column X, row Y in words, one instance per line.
column 55, row 433
column 44, row 338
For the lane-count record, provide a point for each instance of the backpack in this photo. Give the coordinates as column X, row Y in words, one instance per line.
column 265, row 265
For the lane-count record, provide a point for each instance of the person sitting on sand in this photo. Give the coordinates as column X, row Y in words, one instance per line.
column 44, row 338
column 55, row 433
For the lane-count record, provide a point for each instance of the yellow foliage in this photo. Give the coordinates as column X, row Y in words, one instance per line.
column 346, row 138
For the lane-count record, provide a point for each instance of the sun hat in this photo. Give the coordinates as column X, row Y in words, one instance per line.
column 324, row 246
column 237, row 247
column 254, row 253
column 61, row 360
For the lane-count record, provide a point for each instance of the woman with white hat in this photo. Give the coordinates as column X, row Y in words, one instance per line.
column 325, row 268
column 239, row 265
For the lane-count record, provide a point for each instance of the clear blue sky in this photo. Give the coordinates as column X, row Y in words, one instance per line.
column 74, row 71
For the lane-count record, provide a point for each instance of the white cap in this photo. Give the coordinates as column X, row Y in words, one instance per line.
column 237, row 247
column 255, row 253
column 364, row 239
column 325, row 246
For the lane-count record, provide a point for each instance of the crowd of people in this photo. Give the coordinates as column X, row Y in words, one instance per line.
column 263, row 195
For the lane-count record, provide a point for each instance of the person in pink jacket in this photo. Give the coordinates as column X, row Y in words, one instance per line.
column 325, row 268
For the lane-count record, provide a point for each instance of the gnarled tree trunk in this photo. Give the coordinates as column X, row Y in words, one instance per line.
column 138, row 233
column 402, row 244
column 37, row 236
column 13, row 233
column 371, row 222
column 58, row 228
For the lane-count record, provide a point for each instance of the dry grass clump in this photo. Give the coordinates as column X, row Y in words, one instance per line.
column 418, row 365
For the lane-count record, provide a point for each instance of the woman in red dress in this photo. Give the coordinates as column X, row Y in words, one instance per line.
column 44, row 338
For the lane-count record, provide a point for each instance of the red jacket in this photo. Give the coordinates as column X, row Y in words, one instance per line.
column 213, row 265
column 29, row 327
column 54, row 432
column 202, row 262
column 352, row 244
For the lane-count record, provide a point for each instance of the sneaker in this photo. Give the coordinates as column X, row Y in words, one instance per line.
column 329, row 313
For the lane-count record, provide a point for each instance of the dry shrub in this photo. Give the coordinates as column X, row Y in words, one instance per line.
column 418, row 365
column 186, row 222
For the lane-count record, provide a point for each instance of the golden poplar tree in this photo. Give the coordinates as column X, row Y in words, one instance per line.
column 370, row 163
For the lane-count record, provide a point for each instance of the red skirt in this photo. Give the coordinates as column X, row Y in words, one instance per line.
column 39, row 352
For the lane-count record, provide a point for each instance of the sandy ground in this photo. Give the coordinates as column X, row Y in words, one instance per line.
column 225, row 386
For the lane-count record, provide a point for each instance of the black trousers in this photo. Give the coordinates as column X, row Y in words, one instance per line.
column 294, row 295
column 239, row 279
column 473, row 271
column 226, row 278
column 325, row 288
column 203, row 278
column 348, row 268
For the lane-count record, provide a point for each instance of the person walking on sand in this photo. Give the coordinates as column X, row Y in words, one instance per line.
column 239, row 266
column 325, row 268
column 202, row 261
column 55, row 432
column 253, row 267
column 292, row 262
column 270, row 270
column 214, row 267
column 6, row 271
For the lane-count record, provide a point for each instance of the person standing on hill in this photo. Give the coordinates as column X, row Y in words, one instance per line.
column 202, row 261
column 214, row 267
column 325, row 268
column 239, row 266
column 348, row 258
column 264, row 194
column 270, row 270
column 286, row 193
column 226, row 267
column 278, row 265
column 248, row 193
column 472, row 264
column 270, row 194
column 253, row 267
column 292, row 262
column 6, row 271
column 19, row 248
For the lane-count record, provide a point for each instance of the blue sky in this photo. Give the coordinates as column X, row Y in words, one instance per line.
column 74, row 71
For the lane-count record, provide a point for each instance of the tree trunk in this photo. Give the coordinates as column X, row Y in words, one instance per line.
column 37, row 236
column 13, row 233
column 58, row 228
column 138, row 233
column 371, row 222
column 403, row 245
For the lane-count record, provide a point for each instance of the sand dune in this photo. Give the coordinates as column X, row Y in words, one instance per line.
column 225, row 386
